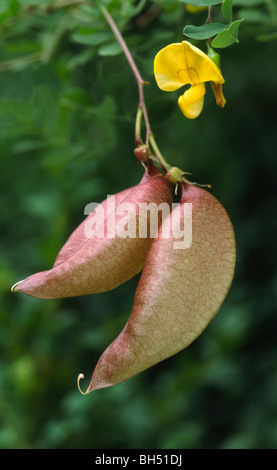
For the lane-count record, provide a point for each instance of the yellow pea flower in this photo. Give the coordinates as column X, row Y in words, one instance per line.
column 180, row 64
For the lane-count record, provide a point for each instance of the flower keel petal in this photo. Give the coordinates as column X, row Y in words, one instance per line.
column 191, row 102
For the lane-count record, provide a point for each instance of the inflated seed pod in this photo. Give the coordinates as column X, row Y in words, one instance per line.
column 94, row 261
column 81, row 234
column 182, row 286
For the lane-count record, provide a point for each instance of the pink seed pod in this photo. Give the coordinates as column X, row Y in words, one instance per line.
column 179, row 292
column 79, row 237
column 94, row 261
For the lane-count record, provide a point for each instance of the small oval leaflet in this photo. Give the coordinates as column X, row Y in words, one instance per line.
column 204, row 31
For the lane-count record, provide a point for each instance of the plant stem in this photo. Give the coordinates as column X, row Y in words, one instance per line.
column 165, row 166
column 138, row 140
column 123, row 44
column 156, row 156
column 209, row 17
column 141, row 107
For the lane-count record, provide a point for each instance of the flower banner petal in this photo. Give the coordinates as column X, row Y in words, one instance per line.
column 199, row 66
column 167, row 66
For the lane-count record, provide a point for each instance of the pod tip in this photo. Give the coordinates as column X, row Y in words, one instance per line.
column 14, row 287
column 80, row 377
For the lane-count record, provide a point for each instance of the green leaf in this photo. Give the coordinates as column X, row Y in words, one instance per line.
column 228, row 36
column 204, row 31
column 223, row 39
column 201, row 3
column 226, row 9
column 90, row 38
column 78, row 60
column 134, row 10
column 112, row 48
column 234, row 27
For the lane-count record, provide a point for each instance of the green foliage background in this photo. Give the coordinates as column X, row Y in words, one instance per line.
column 68, row 102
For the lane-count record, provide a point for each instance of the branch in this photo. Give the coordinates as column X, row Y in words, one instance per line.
column 135, row 70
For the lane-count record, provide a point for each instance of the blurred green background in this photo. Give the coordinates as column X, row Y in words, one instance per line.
column 68, row 102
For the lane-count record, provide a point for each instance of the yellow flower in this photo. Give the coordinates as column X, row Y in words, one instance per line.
column 182, row 64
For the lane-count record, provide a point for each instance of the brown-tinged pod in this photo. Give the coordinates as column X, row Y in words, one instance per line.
column 107, row 249
column 80, row 235
column 180, row 290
